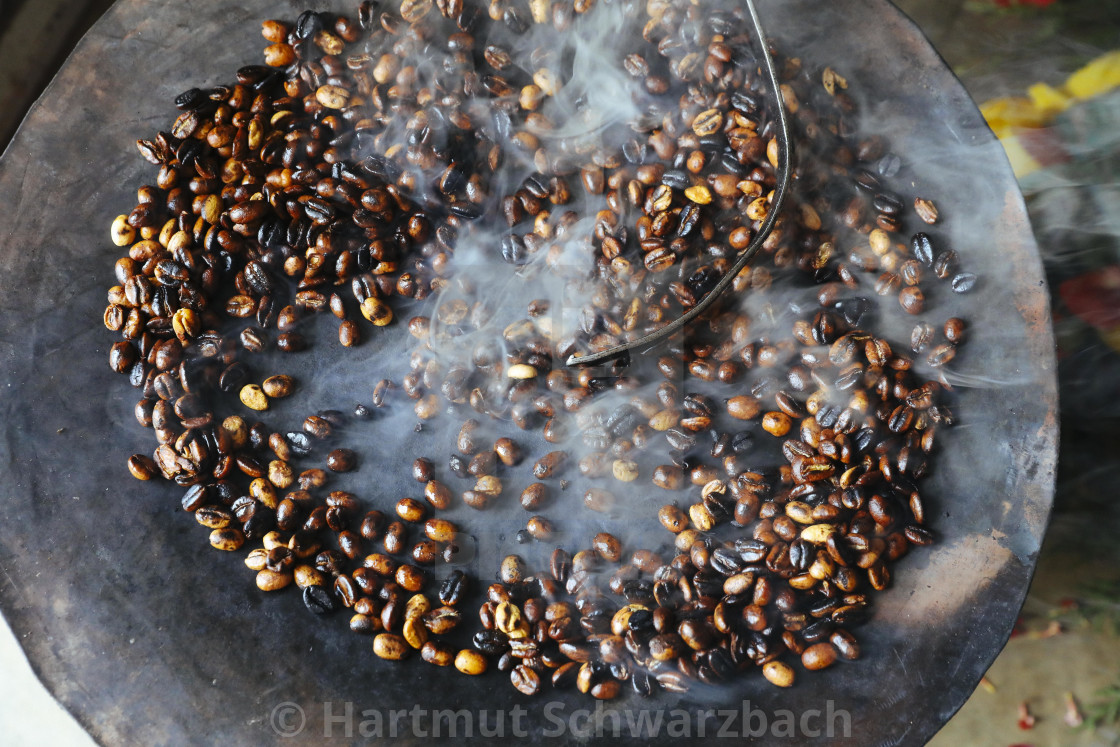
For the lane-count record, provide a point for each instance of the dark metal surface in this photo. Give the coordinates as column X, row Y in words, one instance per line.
column 148, row 636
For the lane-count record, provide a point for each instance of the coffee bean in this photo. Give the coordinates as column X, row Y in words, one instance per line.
column 342, row 460
column 921, row 247
column 466, row 441
column 743, row 407
column 954, row 330
column 845, row 644
column 422, row 470
column 512, row 569
column 317, row 427
column 941, row 355
column 599, row 500
column 270, row 580
column 482, row 463
column 926, row 210
column 534, row 496
column 437, row 494
column 438, row 653
column 253, row 397
column 508, row 452
column 227, row 539
column 318, row 600
column 778, row 673
column 453, row 588
column 142, row 467
column 525, row 680
column 470, row 662
column 411, row 510
column 550, row 464
column 921, row 337
column 912, row 300
column 390, row 646
column 963, row 282
column 818, row 656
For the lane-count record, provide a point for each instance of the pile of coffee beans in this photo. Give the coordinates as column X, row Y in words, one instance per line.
column 350, row 174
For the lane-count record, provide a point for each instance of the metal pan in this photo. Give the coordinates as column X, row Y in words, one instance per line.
column 147, row 636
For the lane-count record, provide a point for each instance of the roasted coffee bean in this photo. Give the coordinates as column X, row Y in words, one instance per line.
column 318, row 600
column 921, row 337
column 482, row 463
column 525, row 680
column 743, row 407
column 912, row 300
column 142, row 467
column 394, row 538
column 422, row 470
column 278, row 386
column 560, row 565
column 550, row 464
column 668, row 477
column 437, row 494
column 512, row 569
column 342, row 460
column 606, row 690
column 372, row 525
column 941, row 355
column 534, row 496
column 411, row 510
column 954, row 330
column 466, row 442
column 599, row 500
column 540, row 528
column 778, row 673
column 458, row 466
column 507, row 451
column 391, row 646
column 945, row 264
column 453, row 589
column 673, row 519
column 818, row 656
column 317, row 427
column 963, row 282
column 491, row 642
column 921, row 247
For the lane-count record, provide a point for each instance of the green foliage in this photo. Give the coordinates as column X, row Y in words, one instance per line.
column 1104, row 710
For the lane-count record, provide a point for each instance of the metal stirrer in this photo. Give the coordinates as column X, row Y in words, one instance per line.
column 752, row 248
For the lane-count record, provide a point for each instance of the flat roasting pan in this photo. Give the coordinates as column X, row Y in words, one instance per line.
column 149, row 637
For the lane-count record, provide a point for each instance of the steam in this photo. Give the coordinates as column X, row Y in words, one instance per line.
column 515, row 298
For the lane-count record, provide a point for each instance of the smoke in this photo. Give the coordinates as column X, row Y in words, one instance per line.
column 573, row 173
column 525, row 294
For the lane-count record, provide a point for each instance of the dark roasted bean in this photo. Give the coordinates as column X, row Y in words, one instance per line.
column 318, row 600
column 912, row 300
column 342, row 460
column 921, row 247
column 963, row 282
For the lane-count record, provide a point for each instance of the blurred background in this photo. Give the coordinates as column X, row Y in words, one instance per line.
column 1046, row 74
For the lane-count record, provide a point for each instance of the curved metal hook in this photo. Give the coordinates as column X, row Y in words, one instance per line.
column 752, row 248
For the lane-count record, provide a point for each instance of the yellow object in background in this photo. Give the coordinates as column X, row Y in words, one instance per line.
column 1020, row 122
column 1048, row 100
column 1009, row 113
column 1022, row 162
column 1099, row 76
